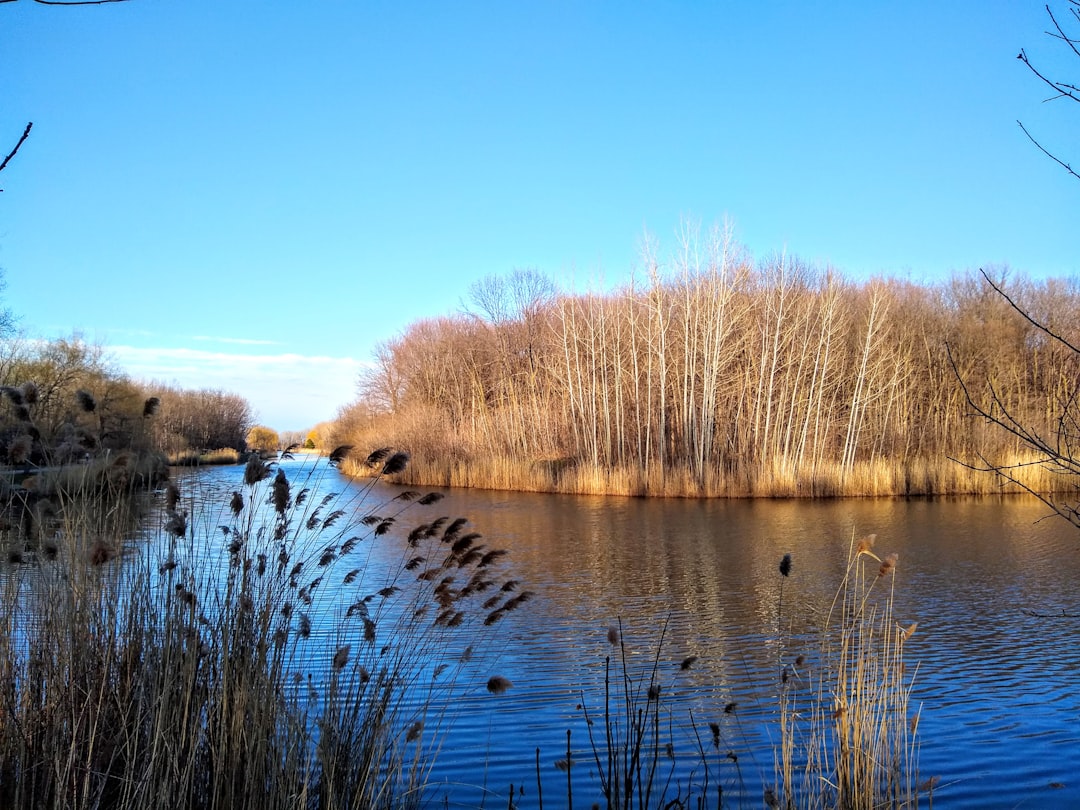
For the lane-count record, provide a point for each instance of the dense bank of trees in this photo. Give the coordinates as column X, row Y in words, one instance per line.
column 713, row 374
column 65, row 400
column 201, row 419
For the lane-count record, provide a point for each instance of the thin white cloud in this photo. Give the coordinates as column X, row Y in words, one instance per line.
column 288, row 391
column 236, row 341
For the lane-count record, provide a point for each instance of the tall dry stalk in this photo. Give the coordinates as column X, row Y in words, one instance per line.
column 260, row 653
column 848, row 734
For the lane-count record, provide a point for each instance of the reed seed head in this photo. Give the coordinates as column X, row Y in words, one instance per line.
column 255, row 470
column 86, row 401
column 866, row 545
column 785, row 565
column 613, row 636
column 888, row 565
column 236, row 504
column 280, row 492
column 396, row 463
column 341, row 657
column 498, row 684
column 19, row 448
column 688, row 662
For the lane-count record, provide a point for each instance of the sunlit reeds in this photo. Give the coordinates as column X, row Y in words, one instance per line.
column 245, row 653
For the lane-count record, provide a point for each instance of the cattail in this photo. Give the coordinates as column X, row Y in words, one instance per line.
column 498, row 684
column 341, row 657
column 785, row 565
column 688, row 662
column 888, row 565
column 86, row 401
column 150, row 407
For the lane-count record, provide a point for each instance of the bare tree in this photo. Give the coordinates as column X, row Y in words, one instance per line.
column 1061, row 89
column 1055, row 447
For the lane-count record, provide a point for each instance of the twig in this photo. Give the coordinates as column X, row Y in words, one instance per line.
column 11, row 154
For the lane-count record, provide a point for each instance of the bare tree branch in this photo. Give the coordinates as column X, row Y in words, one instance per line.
column 11, row 154
column 70, row 2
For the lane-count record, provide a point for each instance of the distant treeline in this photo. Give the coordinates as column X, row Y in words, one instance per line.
column 62, row 400
column 717, row 376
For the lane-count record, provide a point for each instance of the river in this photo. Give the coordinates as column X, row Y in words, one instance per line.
column 988, row 581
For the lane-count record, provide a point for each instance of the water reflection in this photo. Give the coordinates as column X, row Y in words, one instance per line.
column 996, row 683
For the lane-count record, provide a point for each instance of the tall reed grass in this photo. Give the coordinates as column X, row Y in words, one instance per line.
column 882, row 477
column 848, row 730
column 272, row 651
column 844, row 726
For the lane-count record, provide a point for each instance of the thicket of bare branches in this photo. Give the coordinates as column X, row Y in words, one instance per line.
column 713, row 374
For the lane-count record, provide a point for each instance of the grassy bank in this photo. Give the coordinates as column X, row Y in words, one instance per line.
column 779, row 479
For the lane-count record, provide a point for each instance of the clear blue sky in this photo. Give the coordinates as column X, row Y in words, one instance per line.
column 248, row 195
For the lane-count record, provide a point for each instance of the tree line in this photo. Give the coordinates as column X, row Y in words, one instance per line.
column 68, row 401
column 710, row 373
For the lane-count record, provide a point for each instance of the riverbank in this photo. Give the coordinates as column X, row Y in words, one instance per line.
column 882, row 477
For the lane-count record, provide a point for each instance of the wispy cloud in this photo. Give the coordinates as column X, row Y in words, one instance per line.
column 236, row 341
column 288, row 391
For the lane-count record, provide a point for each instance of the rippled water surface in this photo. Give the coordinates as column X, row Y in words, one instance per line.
column 986, row 580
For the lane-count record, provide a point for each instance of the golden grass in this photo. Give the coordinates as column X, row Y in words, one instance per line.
column 779, row 479
column 848, row 732
column 191, row 458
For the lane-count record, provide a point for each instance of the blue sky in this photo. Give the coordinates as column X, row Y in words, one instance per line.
column 248, row 195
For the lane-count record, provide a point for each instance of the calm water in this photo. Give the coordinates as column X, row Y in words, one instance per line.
column 997, row 686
